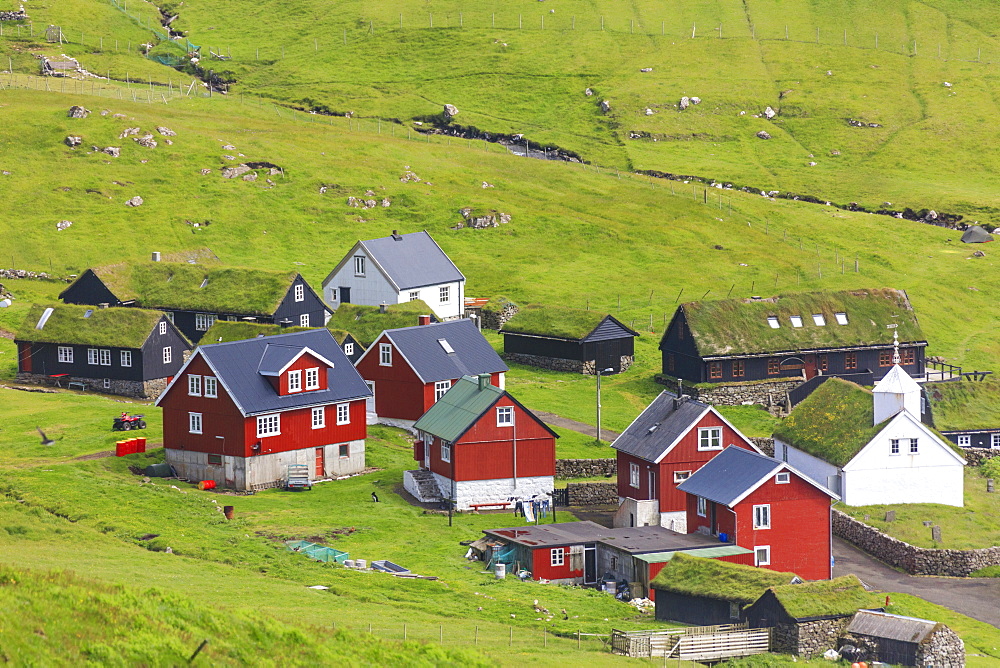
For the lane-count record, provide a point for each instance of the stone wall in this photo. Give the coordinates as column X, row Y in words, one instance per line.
column 588, row 367
column 976, row 456
column 769, row 393
column 495, row 319
column 592, row 493
column 809, row 638
column 766, row 444
column 149, row 389
column 944, row 649
column 22, row 273
column 14, row 16
column 912, row 559
column 585, row 468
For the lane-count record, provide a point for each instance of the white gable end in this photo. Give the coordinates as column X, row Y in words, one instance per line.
column 371, row 288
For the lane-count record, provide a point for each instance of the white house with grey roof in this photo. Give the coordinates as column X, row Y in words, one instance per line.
column 396, row 269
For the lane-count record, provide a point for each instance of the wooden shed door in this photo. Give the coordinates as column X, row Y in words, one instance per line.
column 609, row 355
column 320, row 463
column 25, row 354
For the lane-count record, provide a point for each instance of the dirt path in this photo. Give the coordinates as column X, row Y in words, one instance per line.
column 573, row 425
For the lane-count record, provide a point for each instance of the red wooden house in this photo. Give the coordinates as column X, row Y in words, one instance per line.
column 239, row 413
column 410, row 368
column 670, row 440
column 766, row 506
column 478, row 445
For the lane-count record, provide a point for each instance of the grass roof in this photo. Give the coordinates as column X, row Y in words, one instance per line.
column 556, row 321
column 711, row 578
column 193, row 287
column 365, row 323
column 825, row 598
column 833, row 423
column 965, row 404
column 111, row 327
column 340, row 334
column 224, row 331
column 497, row 304
column 740, row 326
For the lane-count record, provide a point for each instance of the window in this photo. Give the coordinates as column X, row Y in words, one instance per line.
column 702, row 507
column 445, row 346
column 965, row 440
column 445, row 451
column 107, row 383
column 202, row 321
column 734, row 610
column 914, row 446
column 312, row 378
column 762, row 555
column 344, row 451
column 414, row 295
column 359, row 265
column 633, row 475
column 300, row 292
column 819, row 320
column 773, row 367
column 894, row 446
column 885, row 358
column 385, row 354
column 93, row 356
column 348, row 349
column 680, row 331
column 841, row 318
column 211, row 387
column 772, row 320
column 215, row 460
column 762, row 516
column 824, row 363
column 318, row 417
column 681, row 476
column 126, row 358
column 168, row 355
column 194, row 385
column 995, row 440
column 65, row 354
column 441, row 388
column 796, row 320
column 163, row 328
column 304, row 320
column 715, row 369
column 557, row 557
column 194, row 423
column 505, row 416
column 782, row 479
column 710, row 438
column 909, row 356
column 851, row 361
column 343, row 414
column 105, row 357
column 268, row 425
column 295, row 381
column 444, row 293
column 739, row 368
column 671, row 363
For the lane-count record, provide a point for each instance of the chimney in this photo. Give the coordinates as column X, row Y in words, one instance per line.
column 103, row 305
column 484, row 381
column 424, row 320
column 395, row 235
column 156, row 256
column 383, row 307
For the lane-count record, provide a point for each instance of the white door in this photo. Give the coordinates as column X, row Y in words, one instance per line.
column 370, row 401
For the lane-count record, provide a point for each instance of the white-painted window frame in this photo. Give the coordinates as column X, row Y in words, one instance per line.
column 385, row 354
column 93, row 356
column 702, row 508
column 295, row 381
column 269, row 425
column 195, row 425
column 318, row 417
column 312, row 378
column 557, row 557
column 359, row 265
column 304, row 320
column 441, row 388
column 894, row 446
column 633, row 475
column 194, row 385
column 709, row 438
column 168, row 355
column 758, row 560
column 348, row 349
column 446, row 451
column 505, row 416
column 783, row 478
column 914, row 446
column 762, row 516
column 343, row 414
column 300, row 292
column 965, row 440
column 203, row 321
column 210, row 387
column 125, row 358
column 105, row 356
column 65, row 354
column 444, row 294
column 163, row 327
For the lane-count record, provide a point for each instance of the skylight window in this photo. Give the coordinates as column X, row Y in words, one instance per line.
column 819, row 319
column 89, row 312
column 772, row 320
column 796, row 320
column 841, row 318
column 204, row 282
column 447, row 346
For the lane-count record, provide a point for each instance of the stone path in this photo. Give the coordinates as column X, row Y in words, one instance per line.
column 573, row 425
column 975, row 597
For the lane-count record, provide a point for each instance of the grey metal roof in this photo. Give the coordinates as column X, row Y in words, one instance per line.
column 634, row 540
column 236, row 365
column 668, row 417
column 609, row 328
column 730, row 475
column 276, row 357
column 413, row 260
column 894, row 627
column 422, row 348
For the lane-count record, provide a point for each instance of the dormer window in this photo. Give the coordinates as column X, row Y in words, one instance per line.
column 312, row 378
column 796, row 320
column 295, row 381
column 841, row 318
column 772, row 320
column 819, row 320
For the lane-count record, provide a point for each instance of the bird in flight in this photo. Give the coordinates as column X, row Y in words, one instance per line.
column 45, row 439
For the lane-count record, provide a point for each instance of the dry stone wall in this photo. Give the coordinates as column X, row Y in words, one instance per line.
column 912, row 559
column 149, row 389
column 976, row 456
column 585, row 468
column 809, row 638
column 588, row 367
column 19, row 15
column 592, row 493
column 771, row 393
column 766, row 445
column 944, row 649
column 495, row 319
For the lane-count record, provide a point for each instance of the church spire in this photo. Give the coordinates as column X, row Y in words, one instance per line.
column 895, row 347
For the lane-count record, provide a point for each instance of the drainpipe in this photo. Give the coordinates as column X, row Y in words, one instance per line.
column 514, row 442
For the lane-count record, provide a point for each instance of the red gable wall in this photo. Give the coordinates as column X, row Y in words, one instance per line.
column 307, row 361
column 297, row 432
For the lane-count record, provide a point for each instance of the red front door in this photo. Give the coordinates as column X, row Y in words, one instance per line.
column 320, row 463
column 810, row 366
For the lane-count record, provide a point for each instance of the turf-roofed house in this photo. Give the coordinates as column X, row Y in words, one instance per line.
column 223, row 331
column 366, row 323
column 195, row 296
column 478, row 446
column 240, row 413
column 395, row 269
column 132, row 352
column 793, row 337
column 671, row 439
column 567, row 339
column 964, row 411
column 870, row 447
column 782, row 517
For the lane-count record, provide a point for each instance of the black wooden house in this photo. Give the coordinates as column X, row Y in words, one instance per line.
column 195, row 296
column 847, row 334
column 568, row 340
column 133, row 352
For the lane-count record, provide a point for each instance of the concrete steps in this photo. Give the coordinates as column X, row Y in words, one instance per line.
column 422, row 485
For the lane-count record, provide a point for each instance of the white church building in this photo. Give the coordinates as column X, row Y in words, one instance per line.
column 870, row 447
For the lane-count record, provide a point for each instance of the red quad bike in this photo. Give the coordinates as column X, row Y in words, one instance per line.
column 126, row 422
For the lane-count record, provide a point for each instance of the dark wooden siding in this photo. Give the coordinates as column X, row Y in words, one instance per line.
column 289, row 309
column 533, row 345
column 609, row 328
column 678, row 346
column 152, row 352
column 767, row 612
column 88, row 289
column 359, row 349
column 44, row 360
column 692, row 609
column 977, row 439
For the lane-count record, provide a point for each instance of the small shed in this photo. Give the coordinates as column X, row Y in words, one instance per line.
column 565, row 339
column 906, row 641
column 976, row 235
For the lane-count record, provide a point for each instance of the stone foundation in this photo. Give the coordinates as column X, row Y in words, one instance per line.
column 808, row 638
column 586, row 468
column 139, row 389
column 943, row 649
column 588, row 367
column 495, row 319
column 768, row 393
column 592, row 493
column 467, row 492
